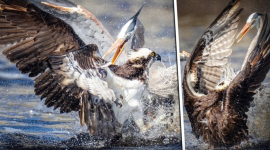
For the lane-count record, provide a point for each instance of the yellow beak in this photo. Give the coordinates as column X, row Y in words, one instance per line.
column 243, row 32
column 119, row 45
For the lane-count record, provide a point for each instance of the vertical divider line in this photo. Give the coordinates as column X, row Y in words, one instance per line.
column 179, row 75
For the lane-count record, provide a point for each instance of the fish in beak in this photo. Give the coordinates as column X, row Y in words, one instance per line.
column 244, row 31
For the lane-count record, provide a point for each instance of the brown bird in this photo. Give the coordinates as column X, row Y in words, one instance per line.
column 70, row 74
column 217, row 99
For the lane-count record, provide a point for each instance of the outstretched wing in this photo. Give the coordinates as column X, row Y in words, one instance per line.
column 247, row 81
column 37, row 34
column 86, row 25
column 82, row 68
column 206, row 64
column 44, row 41
column 205, row 67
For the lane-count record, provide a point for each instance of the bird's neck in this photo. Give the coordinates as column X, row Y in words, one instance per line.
column 132, row 70
column 259, row 27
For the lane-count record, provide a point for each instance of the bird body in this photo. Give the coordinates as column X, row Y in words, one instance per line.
column 130, row 92
column 130, row 83
column 70, row 74
column 217, row 99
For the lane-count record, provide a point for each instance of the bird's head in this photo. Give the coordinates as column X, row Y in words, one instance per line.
column 253, row 20
column 143, row 57
column 126, row 32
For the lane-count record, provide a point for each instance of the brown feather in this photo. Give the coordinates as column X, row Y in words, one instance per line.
column 43, row 40
column 220, row 116
column 52, row 96
column 130, row 69
column 27, row 20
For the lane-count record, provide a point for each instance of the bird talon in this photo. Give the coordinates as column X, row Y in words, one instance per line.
column 102, row 72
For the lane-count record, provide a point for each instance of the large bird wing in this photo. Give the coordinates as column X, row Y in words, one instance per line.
column 83, row 68
column 79, row 75
column 74, row 78
column 206, row 64
column 37, row 34
column 247, row 81
column 86, row 25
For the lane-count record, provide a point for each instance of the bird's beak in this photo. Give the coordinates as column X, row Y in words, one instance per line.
column 243, row 32
column 119, row 45
column 158, row 57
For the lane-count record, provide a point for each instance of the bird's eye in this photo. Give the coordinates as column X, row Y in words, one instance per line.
column 153, row 54
column 253, row 21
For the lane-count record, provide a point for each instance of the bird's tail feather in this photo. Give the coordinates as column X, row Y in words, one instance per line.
column 98, row 116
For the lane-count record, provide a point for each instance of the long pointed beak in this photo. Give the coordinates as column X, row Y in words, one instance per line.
column 119, row 45
column 243, row 32
column 118, row 52
column 115, row 45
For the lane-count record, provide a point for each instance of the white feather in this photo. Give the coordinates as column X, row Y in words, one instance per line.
column 139, row 53
column 122, row 33
column 130, row 92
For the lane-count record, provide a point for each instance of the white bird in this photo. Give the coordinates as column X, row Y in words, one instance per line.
column 133, row 28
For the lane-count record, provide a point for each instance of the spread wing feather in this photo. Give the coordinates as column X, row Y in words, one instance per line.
column 84, row 71
column 206, row 65
column 247, row 81
column 67, row 71
column 86, row 25
column 38, row 34
column 98, row 116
